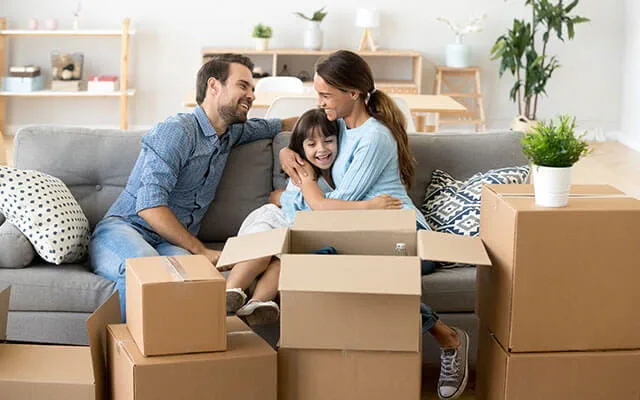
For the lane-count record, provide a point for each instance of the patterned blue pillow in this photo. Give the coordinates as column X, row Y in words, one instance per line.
column 453, row 206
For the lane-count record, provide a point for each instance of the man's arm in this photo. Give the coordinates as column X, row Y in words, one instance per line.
column 260, row 128
column 165, row 223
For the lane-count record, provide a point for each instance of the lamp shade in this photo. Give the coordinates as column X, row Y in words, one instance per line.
column 367, row 18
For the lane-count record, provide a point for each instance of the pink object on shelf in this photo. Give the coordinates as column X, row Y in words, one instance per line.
column 103, row 78
column 33, row 23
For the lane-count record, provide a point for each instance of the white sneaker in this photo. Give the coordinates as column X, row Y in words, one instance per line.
column 259, row 312
column 235, row 299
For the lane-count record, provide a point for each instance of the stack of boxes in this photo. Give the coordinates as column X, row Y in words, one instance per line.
column 178, row 342
column 23, row 79
column 560, row 307
column 350, row 323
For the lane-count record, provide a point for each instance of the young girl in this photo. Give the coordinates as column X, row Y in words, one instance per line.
column 315, row 139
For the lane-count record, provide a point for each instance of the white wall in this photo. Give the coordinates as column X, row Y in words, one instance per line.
column 630, row 132
column 165, row 52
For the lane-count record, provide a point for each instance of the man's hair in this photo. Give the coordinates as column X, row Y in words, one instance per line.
column 218, row 67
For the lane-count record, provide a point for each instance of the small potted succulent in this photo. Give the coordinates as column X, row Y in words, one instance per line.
column 553, row 148
column 262, row 33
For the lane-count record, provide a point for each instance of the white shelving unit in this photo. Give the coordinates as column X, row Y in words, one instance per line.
column 123, row 94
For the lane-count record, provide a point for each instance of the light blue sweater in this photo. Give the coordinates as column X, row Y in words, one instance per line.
column 366, row 167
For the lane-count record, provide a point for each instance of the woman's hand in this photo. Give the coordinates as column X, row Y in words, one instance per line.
column 292, row 165
column 274, row 197
column 384, row 202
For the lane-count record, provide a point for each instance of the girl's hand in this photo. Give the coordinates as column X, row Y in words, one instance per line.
column 384, row 202
column 274, row 197
column 292, row 165
column 310, row 173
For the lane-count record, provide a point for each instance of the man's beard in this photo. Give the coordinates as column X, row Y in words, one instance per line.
column 232, row 114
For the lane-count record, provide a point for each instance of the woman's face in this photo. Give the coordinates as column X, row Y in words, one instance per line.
column 335, row 102
column 321, row 151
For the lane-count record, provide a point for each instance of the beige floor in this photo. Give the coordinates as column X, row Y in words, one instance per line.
column 609, row 162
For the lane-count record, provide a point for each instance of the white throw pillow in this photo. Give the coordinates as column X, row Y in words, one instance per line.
column 45, row 211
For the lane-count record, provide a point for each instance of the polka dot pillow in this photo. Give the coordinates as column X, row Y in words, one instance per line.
column 44, row 210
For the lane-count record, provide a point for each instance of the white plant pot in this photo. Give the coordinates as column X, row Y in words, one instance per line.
column 522, row 124
column 313, row 36
column 551, row 185
column 458, row 55
column 262, row 44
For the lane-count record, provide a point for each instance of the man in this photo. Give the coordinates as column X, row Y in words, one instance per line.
column 177, row 172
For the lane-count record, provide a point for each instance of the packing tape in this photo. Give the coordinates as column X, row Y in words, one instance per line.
column 175, row 268
column 120, row 347
column 238, row 333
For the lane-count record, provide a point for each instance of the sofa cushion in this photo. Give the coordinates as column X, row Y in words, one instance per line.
column 450, row 290
column 453, row 206
column 15, row 249
column 279, row 142
column 42, row 207
column 47, row 287
column 245, row 185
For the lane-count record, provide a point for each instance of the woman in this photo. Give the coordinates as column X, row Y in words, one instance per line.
column 373, row 158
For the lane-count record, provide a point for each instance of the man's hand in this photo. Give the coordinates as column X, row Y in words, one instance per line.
column 274, row 197
column 384, row 202
column 212, row 255
column 292, row 165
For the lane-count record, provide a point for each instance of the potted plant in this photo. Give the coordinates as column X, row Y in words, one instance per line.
column 553, row 148
column 523, row 51
column 262, row 34
column 458, row 54
column 313, row 33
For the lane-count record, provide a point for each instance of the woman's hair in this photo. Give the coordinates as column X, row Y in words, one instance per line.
column 345, row 70
column 312, row 122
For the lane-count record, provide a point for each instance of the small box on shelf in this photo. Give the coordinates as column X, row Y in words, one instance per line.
column 18, row 84
column 58, row 85
column 102, row 83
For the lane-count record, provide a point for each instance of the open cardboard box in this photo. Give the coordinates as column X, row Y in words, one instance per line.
column 364, row 298
column 56, row 372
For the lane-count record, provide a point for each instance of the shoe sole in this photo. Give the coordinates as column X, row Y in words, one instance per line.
column 465, row 380
column 234, row 302
column 262, row 316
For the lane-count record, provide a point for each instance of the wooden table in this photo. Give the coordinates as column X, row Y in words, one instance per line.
column 418, row 103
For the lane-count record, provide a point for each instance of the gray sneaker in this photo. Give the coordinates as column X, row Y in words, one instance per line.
column 235, row 299
column 454, row 368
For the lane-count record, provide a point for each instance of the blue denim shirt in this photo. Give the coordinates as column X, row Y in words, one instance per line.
column 180, row 165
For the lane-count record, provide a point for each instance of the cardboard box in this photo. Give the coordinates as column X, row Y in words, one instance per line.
column 176, row 305
column 555, row 376
column 17, row 84
column 42, row 372
column 562, row 278
column 246, row 371
column 365, row 298
column 354, row 375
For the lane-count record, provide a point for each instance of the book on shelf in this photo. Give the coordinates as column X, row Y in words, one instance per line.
column 24, row 71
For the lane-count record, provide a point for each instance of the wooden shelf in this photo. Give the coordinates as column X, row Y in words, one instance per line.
column 302, row 52
column 51, row 93
column 63, row 32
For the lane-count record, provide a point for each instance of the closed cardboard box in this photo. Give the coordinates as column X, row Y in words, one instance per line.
column 175, row 305
column 347, row 374
column 44, row 372
column 580, row 375
column 246, row 371
column 561, row 278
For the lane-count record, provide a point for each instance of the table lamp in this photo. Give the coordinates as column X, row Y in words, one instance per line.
column 367, row 18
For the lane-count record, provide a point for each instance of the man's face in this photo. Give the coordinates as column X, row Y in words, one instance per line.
column 335, row 102
column 236, row 95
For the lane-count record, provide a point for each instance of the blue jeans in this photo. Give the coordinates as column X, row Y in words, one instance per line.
column 429, row 317
column 114, row 240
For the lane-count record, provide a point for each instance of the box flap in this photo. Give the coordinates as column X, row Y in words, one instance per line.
column 173, row 269
column 444, row 247
column 108, row 313
column 355, row 220
column 252, row 246
column 5, row 295
column 576, row 190
column 350, row 274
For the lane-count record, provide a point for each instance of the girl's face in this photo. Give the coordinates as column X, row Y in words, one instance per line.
column 321, row 151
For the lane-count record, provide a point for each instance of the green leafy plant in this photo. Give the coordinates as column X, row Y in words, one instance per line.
column 262, row 31
column 554, row 144
column 317, row 16
column 523, row 50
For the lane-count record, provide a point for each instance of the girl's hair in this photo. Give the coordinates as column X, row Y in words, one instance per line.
column 345, row 70
column 312, row 122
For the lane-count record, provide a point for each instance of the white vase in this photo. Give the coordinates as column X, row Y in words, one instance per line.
column 458, row 54
column 551, row 185
column 313, row 36
column 522, row 124
column 262, row 44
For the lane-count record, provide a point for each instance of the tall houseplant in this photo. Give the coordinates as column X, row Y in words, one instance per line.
column 313, row 33
column 553, row 148
column 523, row 50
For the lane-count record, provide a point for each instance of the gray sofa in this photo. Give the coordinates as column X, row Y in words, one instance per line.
column 50, row 303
